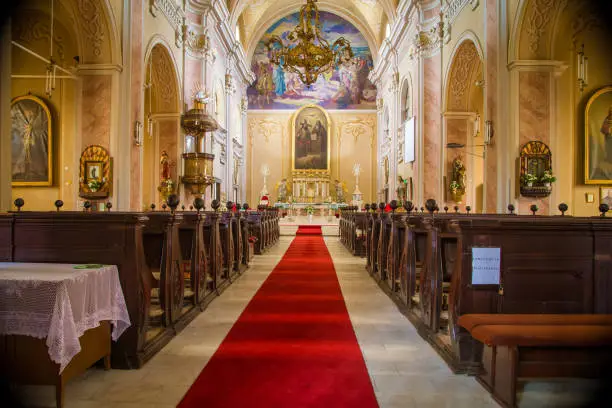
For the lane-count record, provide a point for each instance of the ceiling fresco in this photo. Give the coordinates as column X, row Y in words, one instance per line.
column 346, row 87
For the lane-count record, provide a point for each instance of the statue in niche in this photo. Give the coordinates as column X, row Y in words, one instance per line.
column 166, row 186
column 236, row 172
column 283, row 190
column 340, row 189
column 457, row 184
column 402, row 191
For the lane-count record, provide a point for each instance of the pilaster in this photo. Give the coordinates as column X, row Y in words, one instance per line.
column 5, row 117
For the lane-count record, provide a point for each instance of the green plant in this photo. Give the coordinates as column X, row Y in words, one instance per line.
column 548, row 177
column 528, row 178
column 94, row 185
column 455, row 186
column 309, row 210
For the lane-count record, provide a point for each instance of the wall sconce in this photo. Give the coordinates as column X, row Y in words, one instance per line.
column 489, row 132
column 477, row 125
column 150, row 125
column 138, row 133
column 583, row 69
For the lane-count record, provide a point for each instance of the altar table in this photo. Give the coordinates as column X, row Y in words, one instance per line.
column 55, row 321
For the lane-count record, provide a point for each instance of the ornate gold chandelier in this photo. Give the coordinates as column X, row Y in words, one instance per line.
column 309, row 54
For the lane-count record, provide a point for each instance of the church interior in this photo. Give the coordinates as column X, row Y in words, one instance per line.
column 305, row 203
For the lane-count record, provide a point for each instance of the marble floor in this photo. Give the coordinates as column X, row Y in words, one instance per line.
column 405, row 370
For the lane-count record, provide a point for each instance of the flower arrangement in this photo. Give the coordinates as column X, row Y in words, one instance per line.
column 548, row 178
column 528, row 179
column 309, row 210
column 253, row 239
column 95, row 184
column 455, row 186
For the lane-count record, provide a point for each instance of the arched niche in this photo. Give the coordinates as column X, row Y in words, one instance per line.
column 162, row 121
column 464, row 105
column 84, row 36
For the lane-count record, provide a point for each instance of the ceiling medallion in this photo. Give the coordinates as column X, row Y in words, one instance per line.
column 308, row 54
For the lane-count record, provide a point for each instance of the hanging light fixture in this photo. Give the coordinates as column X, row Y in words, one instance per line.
column 583, row 68
column 50, row 74
column 308, row 54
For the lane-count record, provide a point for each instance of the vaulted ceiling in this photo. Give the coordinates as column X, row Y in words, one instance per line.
column 254, row 17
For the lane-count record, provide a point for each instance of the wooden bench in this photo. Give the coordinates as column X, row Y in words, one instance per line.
column 539, row 346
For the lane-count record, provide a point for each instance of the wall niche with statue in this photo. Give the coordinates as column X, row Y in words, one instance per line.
column 536, row 175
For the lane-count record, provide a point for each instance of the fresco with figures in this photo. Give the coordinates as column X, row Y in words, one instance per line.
column 346, row 87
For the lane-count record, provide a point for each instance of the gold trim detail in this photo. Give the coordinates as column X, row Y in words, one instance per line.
column 587, row 179
column 49, row 182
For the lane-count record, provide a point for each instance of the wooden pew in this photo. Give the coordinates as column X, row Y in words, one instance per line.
column 109, row 238
column 6, row 237
column 539, row 346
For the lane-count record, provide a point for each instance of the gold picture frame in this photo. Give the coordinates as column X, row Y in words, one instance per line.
column 605, row 196
column 31, row 142
column 310, row 113
column 598, row 138
column 95, row 166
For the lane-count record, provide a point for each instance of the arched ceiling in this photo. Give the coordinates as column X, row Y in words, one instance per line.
column 254, row 17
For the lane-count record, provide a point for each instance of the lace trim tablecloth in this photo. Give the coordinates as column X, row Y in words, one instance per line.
column 60, row 302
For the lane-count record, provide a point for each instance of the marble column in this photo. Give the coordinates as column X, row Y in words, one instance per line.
column 5, row 117
column 132, row 89
column 431, row 128
column 533, row 115
column 395, row 118
column 491, row 182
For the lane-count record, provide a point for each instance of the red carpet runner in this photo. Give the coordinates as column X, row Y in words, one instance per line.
column 293, row 346
column 309, row 230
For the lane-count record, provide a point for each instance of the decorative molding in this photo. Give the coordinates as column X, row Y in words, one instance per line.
column 358, row 127
column 586, row 19
column 466, row 60
column 34, row 30
column 174, row 14
column 244, row 105
column 266, row 127
column 91, row 19
column 454, row 7
column 197, row 44
column 539, row 18
column 163, row 79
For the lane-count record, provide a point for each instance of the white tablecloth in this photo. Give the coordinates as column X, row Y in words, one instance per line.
column 60, row 302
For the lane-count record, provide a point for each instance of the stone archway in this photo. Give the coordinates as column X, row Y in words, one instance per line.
column 162, row 122
column 464, row 105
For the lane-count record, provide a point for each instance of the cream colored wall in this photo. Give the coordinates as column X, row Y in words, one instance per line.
column 64, row 167
column 353, row 140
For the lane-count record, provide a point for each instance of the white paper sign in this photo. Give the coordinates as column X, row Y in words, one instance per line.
column 486, row 266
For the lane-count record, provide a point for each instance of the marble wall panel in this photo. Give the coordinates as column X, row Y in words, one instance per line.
column 534, row 121
column 491, row 103
column 431, row 127
column 137, row 63
column 96, row 110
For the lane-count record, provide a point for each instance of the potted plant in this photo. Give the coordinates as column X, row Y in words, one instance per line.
column 95, row 184
column 528, row 179
column 456, row 190
column 310, row 212
column 548, row 178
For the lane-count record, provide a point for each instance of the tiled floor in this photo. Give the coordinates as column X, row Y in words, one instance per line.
column 405, row 370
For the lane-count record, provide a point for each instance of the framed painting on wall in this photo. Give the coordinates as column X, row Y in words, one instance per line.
column 31, row 142
column 606, row 196
column 310, row 140
column 598, row 138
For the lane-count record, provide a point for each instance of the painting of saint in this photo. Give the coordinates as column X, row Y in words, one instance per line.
column 598, row 143
column 345, row 87
column 311, row 139
column 31, row 142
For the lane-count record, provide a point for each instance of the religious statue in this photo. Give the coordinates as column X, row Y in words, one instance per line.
column 356, row 173
column 283, row 190
column 402, row 191
column 166, row 186
column 236, row 171
column 386, row 169
column 457, row 184
column 265, row 172
column 606, row 130
column 340, row 189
